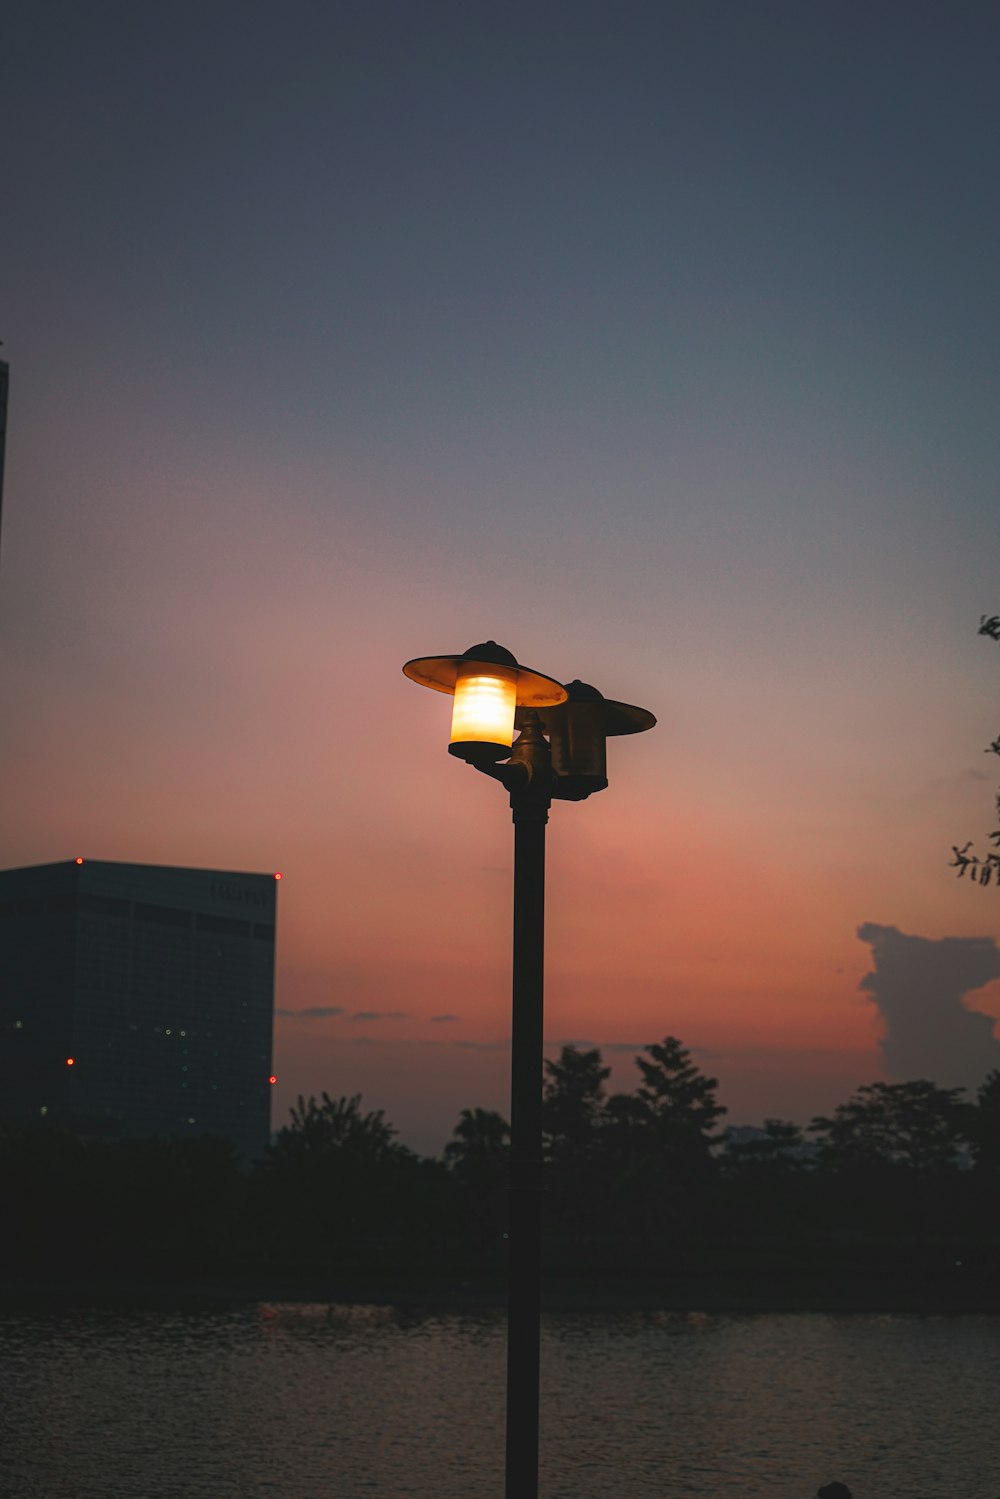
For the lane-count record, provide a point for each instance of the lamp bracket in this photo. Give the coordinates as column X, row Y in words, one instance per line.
column 530, row 768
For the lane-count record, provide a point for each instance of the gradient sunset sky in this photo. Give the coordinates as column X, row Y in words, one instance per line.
column 658, row 342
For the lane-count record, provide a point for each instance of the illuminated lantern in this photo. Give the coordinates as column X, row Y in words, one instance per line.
column 488, row 685
column 483, row 708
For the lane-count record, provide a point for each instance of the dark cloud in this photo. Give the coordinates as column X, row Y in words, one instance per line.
column 395, row 1043
column 315, row 1012
column 379, row 1015
column 442, row 1019
column 634, row 1046
column 918, row 985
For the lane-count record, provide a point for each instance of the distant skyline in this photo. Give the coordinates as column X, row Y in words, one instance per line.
column 655, row 341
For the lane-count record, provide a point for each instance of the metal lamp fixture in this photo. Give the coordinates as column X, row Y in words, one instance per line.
column 560, row 753
column 488, row 685
column 579, row 730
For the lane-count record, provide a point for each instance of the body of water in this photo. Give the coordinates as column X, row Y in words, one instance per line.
column 289, row 1401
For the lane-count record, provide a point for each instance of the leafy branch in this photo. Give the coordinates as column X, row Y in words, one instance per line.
column 982, row 869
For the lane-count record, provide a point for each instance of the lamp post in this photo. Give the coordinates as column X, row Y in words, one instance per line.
column 559, row 754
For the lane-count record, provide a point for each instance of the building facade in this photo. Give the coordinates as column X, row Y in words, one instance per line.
column 138, row 1000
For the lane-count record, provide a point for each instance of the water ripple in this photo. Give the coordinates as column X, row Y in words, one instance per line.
column 282, row 1401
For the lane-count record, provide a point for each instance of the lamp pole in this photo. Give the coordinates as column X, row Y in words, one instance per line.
column 530, row 811
column 493, row 693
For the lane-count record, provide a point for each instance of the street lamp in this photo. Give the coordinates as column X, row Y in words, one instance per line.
column 559, row 754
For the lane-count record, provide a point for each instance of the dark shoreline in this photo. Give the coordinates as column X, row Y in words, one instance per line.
column 682, row 1293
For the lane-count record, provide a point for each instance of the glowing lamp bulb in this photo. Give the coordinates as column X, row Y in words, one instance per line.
column 78, row 859
column 483, row 714
column 272, row 1079
column 71, row 1061
column 277, row 875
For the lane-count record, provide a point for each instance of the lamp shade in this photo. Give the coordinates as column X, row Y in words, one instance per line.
column 488, row 684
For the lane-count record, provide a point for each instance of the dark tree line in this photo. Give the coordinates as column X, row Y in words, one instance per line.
column 652, row 1179
column 647, row 1180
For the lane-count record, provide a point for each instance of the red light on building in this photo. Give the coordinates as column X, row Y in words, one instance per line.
column 78, row 859
column 71, row 1061
column 272, row 1078
column 277, row 876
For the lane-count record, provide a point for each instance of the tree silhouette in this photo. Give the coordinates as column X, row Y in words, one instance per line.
column 678, row 1098
column 983, row 869
column 915, row 1125
column 479, row 1146
column 765, row 1189
column 335, row 1126
column 660, row 1143
column 336, row 1182
column 477, row 1159
column 573, row 1122
column 889, row 1159
column 573, row 1104
column 984, row 1125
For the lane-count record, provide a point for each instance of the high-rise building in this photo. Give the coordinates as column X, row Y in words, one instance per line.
column 138, row 1000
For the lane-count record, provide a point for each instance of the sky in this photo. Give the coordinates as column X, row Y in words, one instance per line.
column 657, row 342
